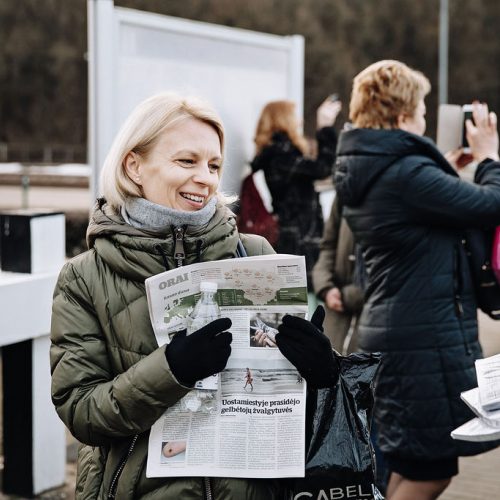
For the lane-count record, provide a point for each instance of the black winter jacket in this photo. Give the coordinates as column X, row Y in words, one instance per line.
column 290, row 177
column 408, row 209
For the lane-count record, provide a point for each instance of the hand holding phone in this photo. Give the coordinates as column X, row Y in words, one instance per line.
column 471, row 127
column 467, row 115
column 482, row 134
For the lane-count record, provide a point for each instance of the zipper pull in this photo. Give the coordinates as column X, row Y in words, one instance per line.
column 208, row 488
column 179, row 254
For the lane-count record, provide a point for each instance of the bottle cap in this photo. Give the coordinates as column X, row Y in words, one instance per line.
column 208, row 286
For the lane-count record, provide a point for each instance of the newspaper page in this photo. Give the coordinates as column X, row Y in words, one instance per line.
column 488, row 381
column 258, row 426
column 473, row 400
column 476, row 430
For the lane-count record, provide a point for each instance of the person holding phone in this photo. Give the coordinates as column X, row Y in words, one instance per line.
column 408, row 210
column 282, row 153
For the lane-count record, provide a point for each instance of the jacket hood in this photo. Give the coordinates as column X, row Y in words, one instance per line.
column 138, row 254
column 365, row 154
column 104, row 222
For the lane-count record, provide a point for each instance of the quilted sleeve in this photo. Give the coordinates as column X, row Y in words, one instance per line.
column 96, row 405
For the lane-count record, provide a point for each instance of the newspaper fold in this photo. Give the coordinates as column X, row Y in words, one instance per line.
column 485, row 427
column 483, row 401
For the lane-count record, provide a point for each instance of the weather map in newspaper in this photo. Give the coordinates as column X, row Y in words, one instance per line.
column 175, row 314
column 258, row 286
column 277, row 282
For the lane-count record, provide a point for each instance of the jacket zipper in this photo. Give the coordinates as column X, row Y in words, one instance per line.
column 179, row 257
column 114, row 482
column 457, row 298
column 208, row 488
column 179, row 253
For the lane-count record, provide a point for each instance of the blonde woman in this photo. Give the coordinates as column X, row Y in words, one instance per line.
column 110, row 381
column 408, row 209
column 281, row 152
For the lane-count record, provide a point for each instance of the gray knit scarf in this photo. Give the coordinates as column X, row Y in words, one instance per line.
column 144, row 214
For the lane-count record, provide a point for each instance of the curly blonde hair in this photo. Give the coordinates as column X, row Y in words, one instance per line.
column 383, row 91
column 279, row 116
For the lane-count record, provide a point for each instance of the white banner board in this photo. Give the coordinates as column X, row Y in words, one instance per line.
column 134, row 54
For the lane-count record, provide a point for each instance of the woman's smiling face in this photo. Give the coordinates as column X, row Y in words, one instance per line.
column 182, row 169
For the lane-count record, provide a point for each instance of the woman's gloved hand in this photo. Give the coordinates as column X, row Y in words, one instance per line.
column 305, row 345
column 201, row 354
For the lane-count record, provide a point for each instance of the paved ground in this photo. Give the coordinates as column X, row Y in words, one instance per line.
column 479, row 477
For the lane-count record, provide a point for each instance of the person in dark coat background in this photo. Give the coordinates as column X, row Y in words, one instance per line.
column 281, row 153
column 333, row 279
column 408, row 209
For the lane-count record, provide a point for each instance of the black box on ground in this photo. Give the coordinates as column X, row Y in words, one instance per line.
column 31, row 241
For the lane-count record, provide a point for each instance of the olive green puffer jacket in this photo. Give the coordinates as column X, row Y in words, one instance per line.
column 110, row 380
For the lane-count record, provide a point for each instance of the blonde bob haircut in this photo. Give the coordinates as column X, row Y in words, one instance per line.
column 278, row 116
column 140, row 133
column 383, row 91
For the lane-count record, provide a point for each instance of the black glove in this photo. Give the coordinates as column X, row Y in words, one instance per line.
column 201, row 354
column 304, row 344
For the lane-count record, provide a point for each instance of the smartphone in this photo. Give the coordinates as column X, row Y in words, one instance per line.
column 467, row 115
column 451, row 131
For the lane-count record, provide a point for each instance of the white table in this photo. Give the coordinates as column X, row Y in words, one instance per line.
column 33, row 435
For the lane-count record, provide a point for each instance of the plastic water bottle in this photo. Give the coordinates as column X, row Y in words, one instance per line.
column 205, row 311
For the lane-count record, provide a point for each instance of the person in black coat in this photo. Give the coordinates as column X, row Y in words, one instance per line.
column 281, row 152
column 408, row 209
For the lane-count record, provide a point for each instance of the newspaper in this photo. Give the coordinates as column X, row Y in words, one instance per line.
column 483, row 401
column 258, row 427
column 473, row 400
column 476, row 430
column 488, row 381
column 485, row 427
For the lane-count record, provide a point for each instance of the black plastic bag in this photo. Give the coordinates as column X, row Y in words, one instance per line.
column 340, row 461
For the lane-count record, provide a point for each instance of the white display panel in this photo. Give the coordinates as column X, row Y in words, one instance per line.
column 134, row 54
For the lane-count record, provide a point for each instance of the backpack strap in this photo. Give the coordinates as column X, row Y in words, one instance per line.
column 240, row 250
